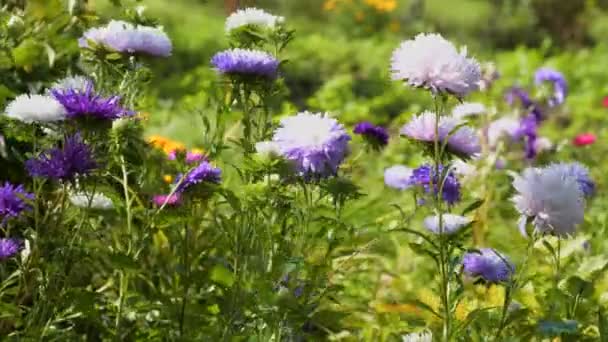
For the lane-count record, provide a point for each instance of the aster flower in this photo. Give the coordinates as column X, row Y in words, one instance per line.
column 431, row 62
column 424, row 336
column 252, row 16
column 13, row 201
column 243, row 62
column 35, row 108
column 129, row 39
column 192, row 156
column 488, row 265
column 425, row 176
column 517, row 94
column 375, row 135
column 450, row 223
column 529, row 130
column 9, row 247
column 584, row 139
column 552, row 201
column 464, row 169
column 267, row 148
column 313, row 142
column 580, row 173
column 398, row 177
column 97, row 201
column 506, row 126
column 63, row 163
column 463, row 142
column 85, row 102
column 558, row 81
column 170, row 200
column 466, row 109
column 72, row 82
column 203, row 173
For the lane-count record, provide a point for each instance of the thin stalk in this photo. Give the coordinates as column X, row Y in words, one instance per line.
column 186, row 281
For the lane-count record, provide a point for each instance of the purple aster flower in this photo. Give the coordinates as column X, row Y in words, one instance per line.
column 528, row 130
column 560, row 87
column 246, row 63
column 126, row 38
column 375, row 135
column 580, row 173
column 398, row 177
column 203, row 173
column 191, row 156
column 86, row 103
column 488, row 265
column 516, row 93
column 9, row 247
column 13, row 200
column 463, row 141
column 171, row 200
column 425, row 177
column 73, row 158
column 314, row 143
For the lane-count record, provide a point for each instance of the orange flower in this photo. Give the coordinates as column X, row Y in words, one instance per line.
column 168, row 179
column 165, row 144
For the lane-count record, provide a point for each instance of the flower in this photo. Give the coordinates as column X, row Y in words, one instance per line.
column 267, row 148
column 85, row 102
column 499, row 128
column 9, row 247
column 450, row 223
column 168, row 145
column 375, row 135
column 424, row 336
column 398, row 177
column 245, row 62
column 489, row 265
column 64, row 163
column 464, row 169
column 560, row 87
column 605, row 102
column 252, row 16
column 529, row 130
column 584, row 139
column 467, row 109
column 580, row 173
column 431, row 62
column 91, row 201
column 425, row 176
column 463, row 142
column 126, row 38
column 313, row 142
column 35, row 108
column 203, row 173
column 551, row 199
column 517, row 93
column 169, row 200
column 13, row 201
column 193, row 156
column 72, row 82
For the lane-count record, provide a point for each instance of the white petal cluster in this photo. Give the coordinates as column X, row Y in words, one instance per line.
column 429, row 61
column 549, row 198
column 91, row 201
column 424, row 336
column 35, row 108
column 252, row 16
column 267, row 148
column 72, row 82
column 506, row 126
column 450, row 223
column 468, row 109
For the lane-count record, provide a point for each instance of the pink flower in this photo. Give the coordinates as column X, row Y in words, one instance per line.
column 605, row 102
column 172, row 200
column 584, row 139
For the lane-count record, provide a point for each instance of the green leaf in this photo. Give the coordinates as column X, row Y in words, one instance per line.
column 222, row 276
column 28, row 53
column 123, row 261
column 591, row 266
column 473, row 206
column 602, row 326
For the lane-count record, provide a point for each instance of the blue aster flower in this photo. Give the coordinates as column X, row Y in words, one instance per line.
column 425, row 176
column 65, row 162
column 376, row 136
column 79, row 102
column 518, row 94
column 242, row 62
column 488, row 265
column 127, row 38
column 580, row 173
column 557, row 79
column 203, row 173
column 9, row 247
column 13, row 201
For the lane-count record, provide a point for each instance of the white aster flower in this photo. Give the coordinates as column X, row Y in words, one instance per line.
column 252, row 16
column 97, row 201
column 464, row 169
column 429, row 61
column 72, row 82
column 507, row 126
column 451, row 223
column 398, row 177
column 543, row 144
column 35, row 108
column 468, row 109
column 553, row 201
column 424, row 336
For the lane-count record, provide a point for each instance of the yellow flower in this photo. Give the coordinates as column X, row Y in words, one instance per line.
column 168, row 179
column 165, row 144
column 329, row 5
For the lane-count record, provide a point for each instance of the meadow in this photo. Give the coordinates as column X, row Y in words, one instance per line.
column 324, row 170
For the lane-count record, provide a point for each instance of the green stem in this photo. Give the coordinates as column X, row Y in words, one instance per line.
column 186, row 280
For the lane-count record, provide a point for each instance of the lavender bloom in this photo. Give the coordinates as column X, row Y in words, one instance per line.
column 529, row 130
column 560, row 88
column 203, row 173
column 580, row 173
column 489, row 265
column 450, row 223
column 126, row 38
column 191, row 156
column 375, row 135
column 13, row 201
column 313, row 142
column 516, row 93
column 73, row 158
column 171, row 201
column 86, row 103
column 9, row 247
column 398, row 177
column 425, row 177
column 244, row 62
